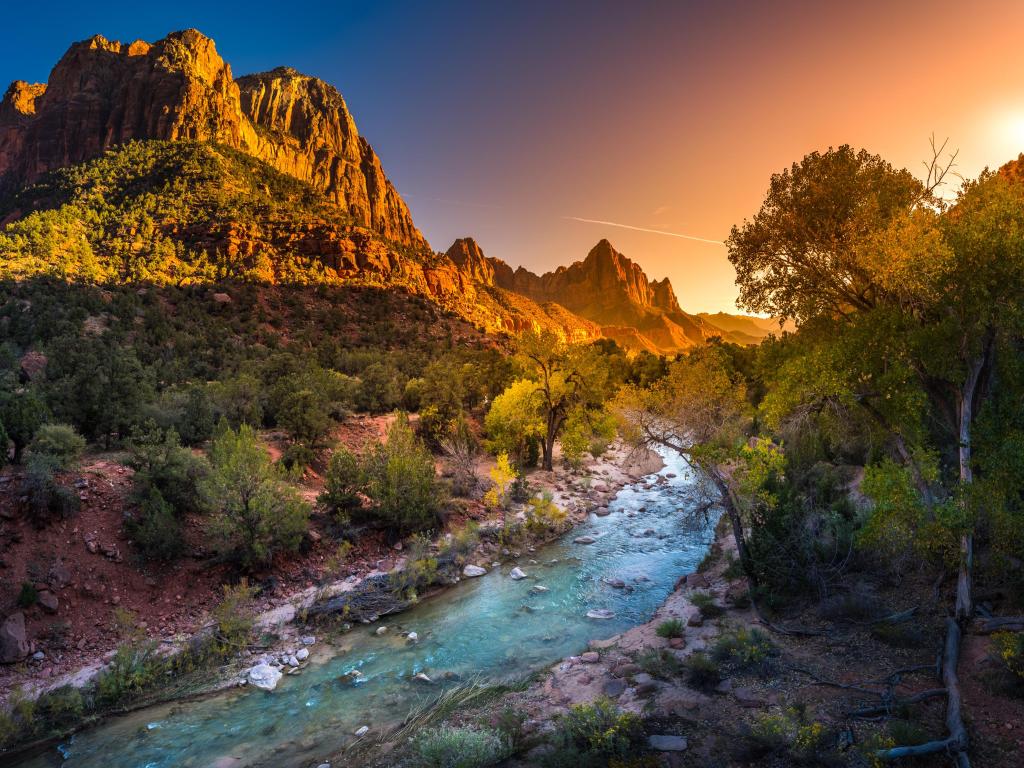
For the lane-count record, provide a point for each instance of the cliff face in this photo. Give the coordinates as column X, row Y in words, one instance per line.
column 103, row 93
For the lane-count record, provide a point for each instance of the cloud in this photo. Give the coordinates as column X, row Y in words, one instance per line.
column 661, row 209
column 645, row 229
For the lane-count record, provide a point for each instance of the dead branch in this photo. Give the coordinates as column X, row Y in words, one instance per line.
column 888, row 707
column 999, row 624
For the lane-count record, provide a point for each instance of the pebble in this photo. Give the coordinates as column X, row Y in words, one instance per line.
column 308, row 640
column 381, row 631
column 302, row 654
column 362, row 731
column 517, row 574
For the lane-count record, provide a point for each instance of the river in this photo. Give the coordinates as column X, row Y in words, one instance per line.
column 491, row 628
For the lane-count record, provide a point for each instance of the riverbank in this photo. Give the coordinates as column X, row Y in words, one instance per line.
column 282, row 627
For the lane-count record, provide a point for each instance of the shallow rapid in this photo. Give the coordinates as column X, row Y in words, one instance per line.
column 491, row 628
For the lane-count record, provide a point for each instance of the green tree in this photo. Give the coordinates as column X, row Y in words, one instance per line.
column 22, row 413
column 344, row 482
column 59, row 441
column 256, row 513
column 162, row 463
column 514, row 421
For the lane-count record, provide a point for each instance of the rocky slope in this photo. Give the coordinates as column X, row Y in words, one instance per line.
column 104, row 93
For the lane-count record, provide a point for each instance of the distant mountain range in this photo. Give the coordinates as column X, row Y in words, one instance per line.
column 151, row 162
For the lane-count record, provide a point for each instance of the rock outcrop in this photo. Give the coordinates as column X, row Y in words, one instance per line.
column 103, row 93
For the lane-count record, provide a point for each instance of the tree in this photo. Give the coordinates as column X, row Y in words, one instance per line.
column 699, row 409
column 59, row 441
column 402, row 483
column 514, row 421
column 344, row 482
column 161, row 463
column 568, row 378
column 21, row 413
column 256, row 514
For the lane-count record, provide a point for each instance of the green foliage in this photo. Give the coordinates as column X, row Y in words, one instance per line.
column 380, row 389
column 544, row 517
column 744, row 648
column 135, row 667
column 453, row 747
column 706, row 604
column 786, row 734
column 154, row 528
column 28, row 596
column 343, row 483
column 599, row 731
column 659, row 662
column 256, row 514
column 21, row 413
column 402, row 483
column 671, row 628
column 1009, row 646
column 513, row 422
column 47, row 499
column 702, row 671
column 161, row 463
column 234, row 617
column 59, row 442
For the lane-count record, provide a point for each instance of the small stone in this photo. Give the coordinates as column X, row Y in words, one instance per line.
column 667, row 743
column 517, row 574
column 362, row 731
column 38, row 656
column 695, row 620
column 538, row 589
column 602, row 511
column 747, row 697
column 584, row 540
column 48, row 601
column 590, row 657
column 600, row 614
column 412, row 637
column 422, row 677
column 472, row 571
column 302, row 654
column 307, row 640
column 381, row 631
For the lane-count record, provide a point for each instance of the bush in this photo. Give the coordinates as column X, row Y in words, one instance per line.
column 402, row 483
column 344, row 482
column 1010, row 648
column 702, row 671
column 28, row 596
column 234, row 617
column 600, row 729
column 62, row 707
column 670, row 628
column 451, row 747
column 155, row 529
column 706, row 605
column 658, row 662
column 162, row 463
column 256, row 513
column 744, row 648
column 58, row 441
column 135, row 667
column 543, row 516
column 46, row 497
column 786, row 735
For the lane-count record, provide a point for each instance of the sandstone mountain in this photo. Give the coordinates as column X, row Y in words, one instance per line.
column 150, row 162
column 105, row 93
column 610, row 290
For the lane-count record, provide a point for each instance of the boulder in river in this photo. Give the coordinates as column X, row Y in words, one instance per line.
column 602, row 511
column 264, row 677
column 584, row 540
column 302, row 654
column 472, row 571
column 600, row 613
column 517, row 574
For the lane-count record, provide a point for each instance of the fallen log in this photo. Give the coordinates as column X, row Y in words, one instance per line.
column 999, row 624
column 956, row 744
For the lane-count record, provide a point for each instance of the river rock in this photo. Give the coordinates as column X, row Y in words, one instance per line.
column 602, row 511
column 590, row 657
column 13, row 643
column 412, row 637
column 584, row 540
column 362, row 731
column 48, row 601
column 302, row 654
column 600, row 613
column 615, row 583
column 307, row 640
column 472, row 571
column 667, row 743
column 264, row 677
column 538, row 589
column 517, row 574
column 381, row 631
column 422, row 677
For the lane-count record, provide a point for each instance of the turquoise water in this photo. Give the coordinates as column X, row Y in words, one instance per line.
column 491, row 628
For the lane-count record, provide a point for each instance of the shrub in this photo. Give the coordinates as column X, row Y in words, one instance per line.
column 600, row 729
column 161, row 462
column 134, row 668
column 298, row 456
column 702, row 671
column 658, row 662
column 46, row 497
column 256, row 513
column 343, row 483
column 451, row 747
column 402, row 483
column 744, row 648
column 706, row 605
column 785, row 734
column 61, row 707
column 543, row 516
column 58, row 441
column 461, row 543
column 1010, row 647
column 503, row 474
column 155, row 529
column 670, row 628
column 234, row 618
column 28, row 596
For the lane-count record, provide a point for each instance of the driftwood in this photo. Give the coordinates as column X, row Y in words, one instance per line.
column 999, row 624
column 955, row 745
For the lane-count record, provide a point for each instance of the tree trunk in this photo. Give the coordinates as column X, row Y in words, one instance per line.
column 965, row 415
column 553, row 426
column 732, row 510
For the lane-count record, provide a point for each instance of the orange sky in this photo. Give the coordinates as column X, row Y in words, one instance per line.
column 686, row 139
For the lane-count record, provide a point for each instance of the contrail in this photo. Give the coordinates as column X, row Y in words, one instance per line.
column 645, row 229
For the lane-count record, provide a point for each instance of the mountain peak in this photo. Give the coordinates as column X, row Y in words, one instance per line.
column 103, row 93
